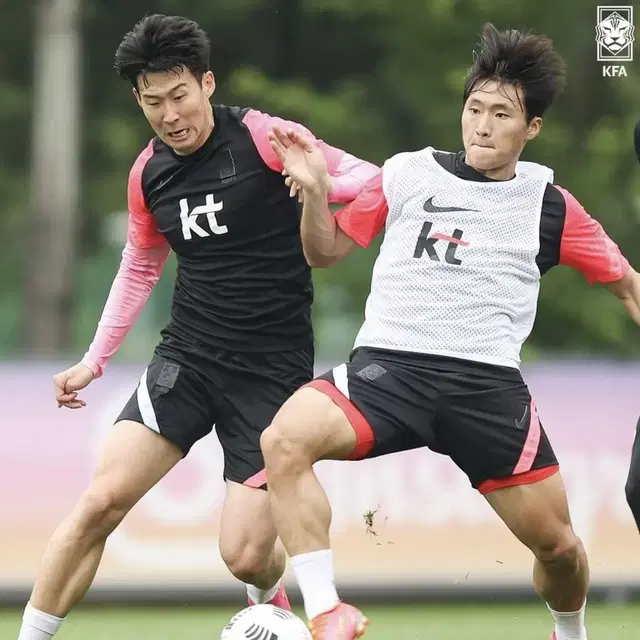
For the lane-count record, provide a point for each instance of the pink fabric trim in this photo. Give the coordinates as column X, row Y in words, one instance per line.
column 530, row 449
column 139, row 271
column 256, row 481
column 350, row 173
column 363, row 219
column 143, row 258
column 585, row 245
column 142, row 231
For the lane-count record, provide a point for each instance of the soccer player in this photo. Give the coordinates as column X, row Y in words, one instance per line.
column 632, row 487
column 239, row 343
column 453, row 297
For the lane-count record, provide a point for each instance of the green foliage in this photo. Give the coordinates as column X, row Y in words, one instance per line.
column 373, row 76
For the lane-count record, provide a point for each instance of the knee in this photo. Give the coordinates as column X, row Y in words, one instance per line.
column 561, row 549
column 282, row 449
column 100, row 511
column 245, row 561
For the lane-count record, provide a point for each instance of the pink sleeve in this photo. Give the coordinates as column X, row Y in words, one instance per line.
column 350, row 173
column 139, row 271
column 363, row 219
column 143, row 258
column 585, row 245
column 143, row 232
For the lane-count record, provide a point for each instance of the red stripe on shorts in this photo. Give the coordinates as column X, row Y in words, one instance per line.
column 365, row 438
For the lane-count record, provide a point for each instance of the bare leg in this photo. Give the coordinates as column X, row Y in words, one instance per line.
column 248, row 538
column 134, row 459
column 308, row 427
column 633, row 481
column 538, row 514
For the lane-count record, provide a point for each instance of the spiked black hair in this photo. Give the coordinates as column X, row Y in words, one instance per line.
column 522, row 59
column 162, row 43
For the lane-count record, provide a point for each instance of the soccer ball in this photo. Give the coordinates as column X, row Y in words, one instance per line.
column 265, row 622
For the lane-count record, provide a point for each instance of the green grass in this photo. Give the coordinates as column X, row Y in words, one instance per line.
column 428, row 622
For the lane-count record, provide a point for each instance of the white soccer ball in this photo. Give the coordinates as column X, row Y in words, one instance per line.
column 265, row 622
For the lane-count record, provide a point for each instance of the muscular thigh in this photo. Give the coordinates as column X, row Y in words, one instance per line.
column 489, row 425
column 175, row 400
column 133, row 459
column 536, row 513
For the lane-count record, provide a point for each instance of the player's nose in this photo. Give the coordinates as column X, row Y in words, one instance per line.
column 483, row 128
column 171, row 116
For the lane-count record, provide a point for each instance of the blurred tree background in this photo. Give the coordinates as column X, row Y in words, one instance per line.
column 373, row 76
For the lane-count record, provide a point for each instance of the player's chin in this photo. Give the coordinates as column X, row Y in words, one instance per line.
column 483, row 158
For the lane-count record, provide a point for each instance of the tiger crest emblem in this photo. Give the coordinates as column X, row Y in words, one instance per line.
column 615, row 36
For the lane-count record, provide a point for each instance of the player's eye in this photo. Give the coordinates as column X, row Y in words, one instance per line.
column 502, row 116
column 474, row 110
column 180, row 97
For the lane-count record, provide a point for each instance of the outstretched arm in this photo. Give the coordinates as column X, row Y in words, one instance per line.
column 326, row 238
column 347, row 174
column 585, row 246
column 627, row 289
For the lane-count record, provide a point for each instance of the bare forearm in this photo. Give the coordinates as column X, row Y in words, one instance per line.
column 632, row 303
column 633, row 308
column 627, row 289
column 318, row 227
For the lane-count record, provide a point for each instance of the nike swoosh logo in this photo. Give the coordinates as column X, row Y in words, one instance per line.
column 429, row 207
column 521, row 424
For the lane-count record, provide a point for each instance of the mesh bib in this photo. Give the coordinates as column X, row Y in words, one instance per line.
column 456, row 274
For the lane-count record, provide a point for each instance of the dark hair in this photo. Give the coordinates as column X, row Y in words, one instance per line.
column 163, row 43
column 522, row 59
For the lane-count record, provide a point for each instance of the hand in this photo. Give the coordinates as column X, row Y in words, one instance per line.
column 67, row 383
column 302, row 159
column 295, row 190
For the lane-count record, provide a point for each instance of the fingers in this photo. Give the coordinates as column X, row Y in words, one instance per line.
column 278, row 149
column 283, row 138
column 65, row 395
column 69, row 399
column 293, row 186
column 281, row 141
column 296, row 137
column 74, row 404
column 295, row 189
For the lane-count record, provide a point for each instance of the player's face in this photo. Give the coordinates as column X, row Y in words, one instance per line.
column 495, row 129
column 177, row 107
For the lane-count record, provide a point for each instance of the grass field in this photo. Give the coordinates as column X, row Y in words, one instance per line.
column 428, row 622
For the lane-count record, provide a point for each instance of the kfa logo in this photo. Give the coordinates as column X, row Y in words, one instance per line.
column 189, row 219
column 427, row 242
column 614, row 38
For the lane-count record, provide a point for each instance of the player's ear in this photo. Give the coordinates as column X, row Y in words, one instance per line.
column 534, row 128
column 137, row 96
column 208, row 84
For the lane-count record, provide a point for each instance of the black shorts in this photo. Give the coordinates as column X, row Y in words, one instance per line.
column 480, row 415
column 182, row 398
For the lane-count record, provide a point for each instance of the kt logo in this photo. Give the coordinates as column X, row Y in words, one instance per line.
column 427, row 243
